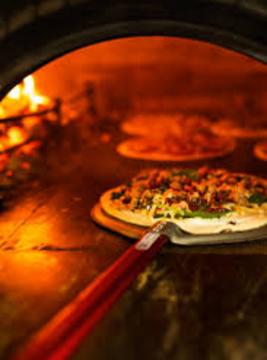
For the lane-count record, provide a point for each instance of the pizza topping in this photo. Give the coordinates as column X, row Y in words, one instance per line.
column 216, row 213
column 187, row 146
column 257, row 198
column 117, row 194
column 190, row 193
column 126, row 199
column 190, row 174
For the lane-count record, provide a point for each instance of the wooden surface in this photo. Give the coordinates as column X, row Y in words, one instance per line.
column 120, row 227
column 203, row 300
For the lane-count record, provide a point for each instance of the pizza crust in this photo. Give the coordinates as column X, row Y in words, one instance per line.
column 132, row 148
column 228, row 223
column 231, row 129
column 159, row 124
column 260, row 151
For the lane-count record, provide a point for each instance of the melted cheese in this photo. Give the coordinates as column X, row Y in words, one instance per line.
column 243, row 220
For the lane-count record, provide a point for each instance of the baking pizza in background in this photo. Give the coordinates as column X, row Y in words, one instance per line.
column 176, row 137
column 162, row 124
column 260, row 150
column 188, row 147
column 232, row 128
column 199, row 201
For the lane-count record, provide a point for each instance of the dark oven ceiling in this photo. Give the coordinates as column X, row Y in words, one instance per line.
column 33, row 32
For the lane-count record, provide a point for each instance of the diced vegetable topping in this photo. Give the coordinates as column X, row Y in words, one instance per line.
column 257, row 198
column 188, row 193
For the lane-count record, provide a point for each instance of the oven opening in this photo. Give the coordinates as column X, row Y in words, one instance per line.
column 94, row 118
column 90, row 121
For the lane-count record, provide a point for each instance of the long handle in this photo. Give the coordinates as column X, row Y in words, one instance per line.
column 61, row 336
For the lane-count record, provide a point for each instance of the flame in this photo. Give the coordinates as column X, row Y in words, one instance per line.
column 23, row 98
column 15, row 136
column 35, row 99
column 15, row 93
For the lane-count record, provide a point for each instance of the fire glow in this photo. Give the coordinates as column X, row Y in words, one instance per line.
column 22, row 100
column 23, row 97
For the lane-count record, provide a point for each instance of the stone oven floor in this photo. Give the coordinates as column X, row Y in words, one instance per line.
column 190, row 303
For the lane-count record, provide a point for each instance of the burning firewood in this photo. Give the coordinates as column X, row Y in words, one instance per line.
column 24, row 118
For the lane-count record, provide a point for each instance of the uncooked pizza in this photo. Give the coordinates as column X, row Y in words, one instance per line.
column 231, row 128
column 202, row 201
column 260, row 150
column 188, row 147
column 158, row 125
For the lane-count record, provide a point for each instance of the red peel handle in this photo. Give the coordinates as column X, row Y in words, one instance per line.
column 62, row 335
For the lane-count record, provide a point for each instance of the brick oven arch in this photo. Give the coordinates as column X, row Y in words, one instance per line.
column 32, row 33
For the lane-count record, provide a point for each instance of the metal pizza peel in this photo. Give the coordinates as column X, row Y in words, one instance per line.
column 179, row 237
column 175, row 234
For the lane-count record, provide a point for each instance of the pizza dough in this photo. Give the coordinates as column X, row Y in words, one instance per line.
column 160, row 125
column 172, row 137
column 232, row 129
column 196, row 146
column 202, row 201
column 260, row 150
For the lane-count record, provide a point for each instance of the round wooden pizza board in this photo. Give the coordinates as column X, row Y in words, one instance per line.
column 103, row 219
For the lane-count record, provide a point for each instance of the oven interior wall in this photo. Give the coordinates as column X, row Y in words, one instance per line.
column 161, row 74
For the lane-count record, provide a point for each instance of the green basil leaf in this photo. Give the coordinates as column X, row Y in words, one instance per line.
column 257, row 198
column 203, row 214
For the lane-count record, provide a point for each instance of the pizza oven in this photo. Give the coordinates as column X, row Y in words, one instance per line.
column 73, row 75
